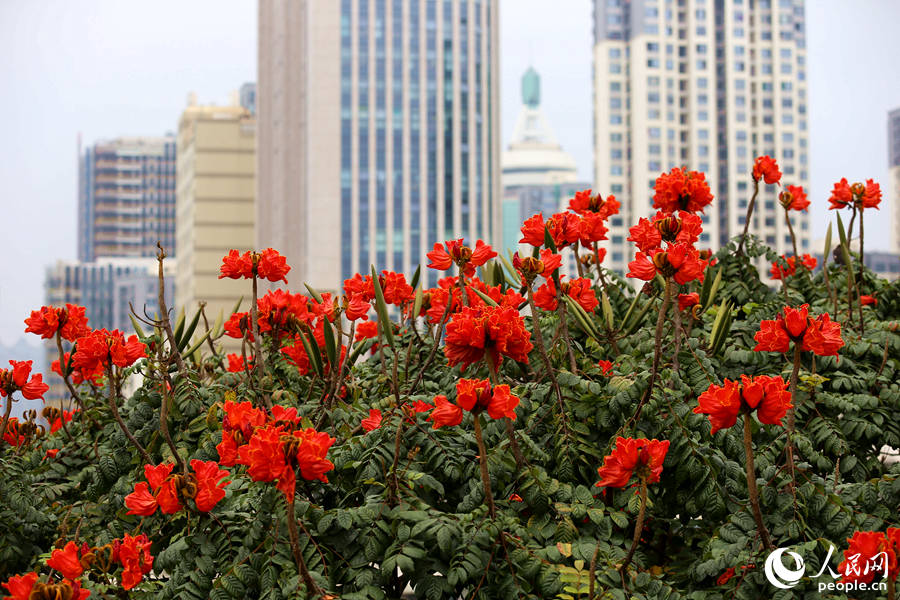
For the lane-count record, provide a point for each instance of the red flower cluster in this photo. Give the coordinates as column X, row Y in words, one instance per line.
column 16, row 380
column 495, row 331
column 101, row 348
column 435, row 299
column 680, row 189
column 70, row 322
column 584, row 203
column 665, row 227
column 78, row 376
column 359, row 291
column 870, row 553
column 236, row 363
column 859, row 195
column 170, row 492
column 680, row 261
column 793, row 198
column 66, row 561
column 267, row 264
column 565, row 228
column 640, row 457
column 765, row 167
column 131, row 552
column 461, row 255
column 366, row 331
column 764, row 394
column 579, row 290
column 273, row 447
column 475, row 396
column 789, row 266
column 605, row 367
column 821, row 335
column 27, row 587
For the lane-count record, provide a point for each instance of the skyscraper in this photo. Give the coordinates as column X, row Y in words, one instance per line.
column 126, row 197
column 537, row 174
column 894, row 176
column 216, row 203
column 707, row 84
column 378, row 131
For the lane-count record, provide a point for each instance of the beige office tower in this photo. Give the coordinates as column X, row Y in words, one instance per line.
column 706, row 84
column 378, row 132
column 215, row 204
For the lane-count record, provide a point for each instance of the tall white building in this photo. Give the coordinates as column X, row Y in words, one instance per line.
column 378, row 131
column 893, row 191
column 706, row 84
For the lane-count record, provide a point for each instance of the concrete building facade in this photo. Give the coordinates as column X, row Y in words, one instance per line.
column 126, row 197
column 706, row 84
column 378, row 131
column 215, row 203
column 893, row 191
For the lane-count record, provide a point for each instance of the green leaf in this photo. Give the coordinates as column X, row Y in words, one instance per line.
column 381, row 308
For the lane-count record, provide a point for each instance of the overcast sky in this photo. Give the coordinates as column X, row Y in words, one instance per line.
column 107, row 68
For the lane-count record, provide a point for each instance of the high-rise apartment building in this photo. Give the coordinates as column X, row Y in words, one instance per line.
column 126, row 197
column 706, row 84
column 216, row 195
column 378, row 131
column 894, row 176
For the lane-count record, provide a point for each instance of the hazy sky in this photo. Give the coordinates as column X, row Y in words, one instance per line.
column 107, row 68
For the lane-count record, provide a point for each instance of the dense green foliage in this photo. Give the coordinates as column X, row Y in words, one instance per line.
column 436, row 537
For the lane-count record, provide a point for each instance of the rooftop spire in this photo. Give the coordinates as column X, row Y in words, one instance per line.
column 531, row 88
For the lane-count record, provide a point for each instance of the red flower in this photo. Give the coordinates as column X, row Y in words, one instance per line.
column 680, row 261
column 133, row 553
column 12, row 435
column 868, row 553
column 357, row 308
column 272, row 266
column 397, row 291
column 688, row 300
column 794, row 198
column 16, row 380
column 264, row 454
column 20, row 586
column 584, row 203
column 780, row 272
column 841, row 195
column 209, row 490
column 591, row 228
column 581, row 291
column 267, row 264
column 101, row 348
column 503, row 403
column 495, row 331
column 473, row 392
column 445, row 413
column 821, row 335
column 641, row 455
column 463, row 256
column 66, row 561
column 764, row 394
column 682, row 190
column 871, row 197
column 766, row 168
column 366, row 331
column 421, row 406
column 69, row 321
column 361, row 286
column 867, row 300
column 545, row 296
column 515, row 498
column 665, row 228
column 564, row 229
column 373, row 421
column 724, row 577
column 57, row 422
column 141, row 502
column 238, row 325
column 310, row 457
column 605, row 366
column 722, row 404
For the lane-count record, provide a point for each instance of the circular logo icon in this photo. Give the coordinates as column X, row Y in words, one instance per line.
column 779, row 575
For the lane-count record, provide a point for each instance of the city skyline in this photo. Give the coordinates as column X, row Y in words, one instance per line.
column 55, row 49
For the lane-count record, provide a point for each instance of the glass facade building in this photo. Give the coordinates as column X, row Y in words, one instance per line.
column 392, row 124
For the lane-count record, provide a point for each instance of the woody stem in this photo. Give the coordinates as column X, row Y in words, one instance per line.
column 113, row 407
column 311, row 588
column 599, row 268
column 859, row 280
column 6, row 412
column 638, row 526
column 564, row 326
column 482, row 461
column 751, row 483
column 657, row 352
column 434, row 346
column 539, row 338
column 740, row 250
column 258, row 363
column 787, row 218
column 62, row 369
column 795, row 372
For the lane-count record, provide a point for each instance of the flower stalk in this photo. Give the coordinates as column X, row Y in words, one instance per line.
column 740, row 250
column 482, row 461
column 313, row 590
column 638, row 527
column 751, row 483
column 113, row 383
